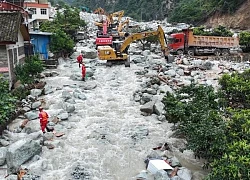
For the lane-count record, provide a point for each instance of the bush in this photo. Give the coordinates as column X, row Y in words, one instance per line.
column 7, row 101
column 196, row 110
column 236, row 89
column 27, row 72
column 234, row 164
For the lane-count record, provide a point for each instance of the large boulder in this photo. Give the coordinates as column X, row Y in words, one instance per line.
column 158, row 108
column 148, row 107
column 3, row 152
column 31, row 115
column 161, row 175
column 20, row 152
column 184, row 173
column 89, row 53
column 35, row 92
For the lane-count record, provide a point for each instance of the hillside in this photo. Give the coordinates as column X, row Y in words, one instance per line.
column 239, row 20
column 230, row 13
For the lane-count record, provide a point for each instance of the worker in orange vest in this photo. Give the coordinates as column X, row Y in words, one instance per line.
column 83, row 71
column 80, row 59
column 43, row 116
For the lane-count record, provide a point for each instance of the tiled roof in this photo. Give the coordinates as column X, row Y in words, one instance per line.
column 9, row 26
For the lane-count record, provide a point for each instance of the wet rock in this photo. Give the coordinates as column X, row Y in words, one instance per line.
column 30, row 98
column 170, row 73
column 31, row 115
column 161, row 175
column 20, row 152
column 3, row 152
column 89, row 85
column 35, row 92
column 31, row 177
column 80, row 172
column 36, row 105
column 148, row 107
column 32, row 126
column 12, row 177
column 69, row 107
column 207, row 65
column 63, row 116
column 158, row 108
column 75, row 77
column 142, row 176
column 140, row 133
column 4, row 143
column 89, row 72
column 151, row 91
column 48, row 136
column 146, row 98
column 66, row 95
column 184, row 173
column 162, row 118
column 174, row 162
column 48, row 90
column 180, row 72
column 175, row 178
column 138, row 60
column 38, row 166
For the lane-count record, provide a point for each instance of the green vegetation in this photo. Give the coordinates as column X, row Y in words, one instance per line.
column 245, row 41
column 216, row 125
column 27, row 72
column 188, row 11
column 64, row 28
column 196, row 11
column 219, row 31
column 7, row 101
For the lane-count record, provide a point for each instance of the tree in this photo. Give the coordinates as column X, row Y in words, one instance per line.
column 61, row 43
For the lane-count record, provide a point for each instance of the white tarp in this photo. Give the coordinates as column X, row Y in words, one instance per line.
column 156, row 165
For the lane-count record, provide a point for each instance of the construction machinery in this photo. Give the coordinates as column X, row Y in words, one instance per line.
column 188, row 43
column 100, row 11
column 119, row 52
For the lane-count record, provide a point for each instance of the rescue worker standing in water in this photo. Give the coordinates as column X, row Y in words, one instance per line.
column 43, row 116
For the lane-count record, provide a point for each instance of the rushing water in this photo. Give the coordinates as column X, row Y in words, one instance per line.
column 99, row 132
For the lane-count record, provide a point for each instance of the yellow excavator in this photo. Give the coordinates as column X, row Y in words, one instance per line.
column 119, row 54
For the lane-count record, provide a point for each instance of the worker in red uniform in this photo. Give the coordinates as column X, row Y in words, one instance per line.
column 43, row 116
column 83, row 71
column 80, row 59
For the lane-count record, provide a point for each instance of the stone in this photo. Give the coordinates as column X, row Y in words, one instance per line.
column 146, row 97
column 63, row 116
column 151, row 91
column 89, row 85
column 36, row 104
column 66, row 95
column 20, row 152
column 142, row 176
column 180, row 72
column 31, row 115
column 184, row 173
column 70, row 107
column 48, row 90
column 175, row 162
column 170, row 73
column 3, row 152
column 158, row 108
column 161, row 175
column 148, row 107
column 35, row 92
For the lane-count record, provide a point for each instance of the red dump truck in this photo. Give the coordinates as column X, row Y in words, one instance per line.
column 188, row 43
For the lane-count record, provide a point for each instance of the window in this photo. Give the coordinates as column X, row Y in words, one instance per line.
column 43, row 11
column 33, row 10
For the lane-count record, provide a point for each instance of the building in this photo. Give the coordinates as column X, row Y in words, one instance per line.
column 40, row 12
column 40, row 42
column 13, row 36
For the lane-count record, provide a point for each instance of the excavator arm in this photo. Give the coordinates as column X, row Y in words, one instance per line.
column 121, row 24
column 99, row 11
column 118, row 14
column 137, row 36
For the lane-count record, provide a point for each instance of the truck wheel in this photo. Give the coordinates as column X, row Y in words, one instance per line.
column 217, row 52
column 179, row 52
column 225, row 52
column 190, row 52
column 108, row 63
column 127, row 62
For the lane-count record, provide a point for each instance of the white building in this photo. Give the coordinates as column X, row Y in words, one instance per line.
column 40, row 12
